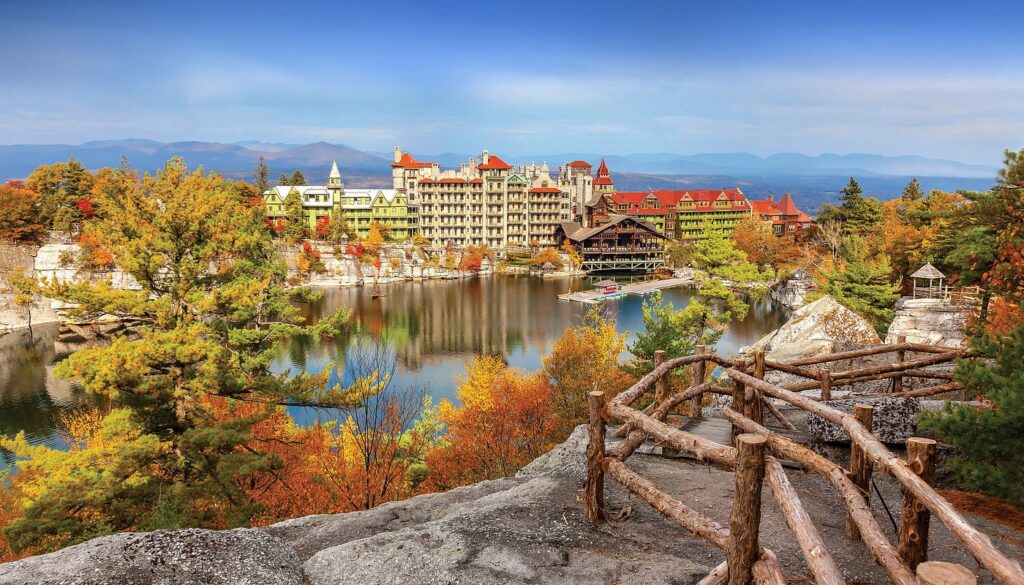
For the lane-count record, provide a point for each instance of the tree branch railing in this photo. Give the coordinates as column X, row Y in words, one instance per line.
column 754, row 458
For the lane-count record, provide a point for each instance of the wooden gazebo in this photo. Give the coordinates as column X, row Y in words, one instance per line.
column 936, row 283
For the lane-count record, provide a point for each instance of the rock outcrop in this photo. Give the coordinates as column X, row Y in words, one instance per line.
column 164, row 557
column 814, row 330
column 527, row 529
column 793, row 292
column 931, row 321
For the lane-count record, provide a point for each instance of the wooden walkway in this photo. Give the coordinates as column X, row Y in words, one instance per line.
column 640, row 288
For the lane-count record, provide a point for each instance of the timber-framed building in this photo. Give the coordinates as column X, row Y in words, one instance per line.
column 620, row 243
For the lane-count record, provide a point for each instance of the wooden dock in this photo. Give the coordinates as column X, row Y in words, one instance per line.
column 640, row 288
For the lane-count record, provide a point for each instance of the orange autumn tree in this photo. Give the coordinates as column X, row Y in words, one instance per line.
column 505, row 421
column 755, row 237
column 584, row 359
column 546, row 256
column 373, row 455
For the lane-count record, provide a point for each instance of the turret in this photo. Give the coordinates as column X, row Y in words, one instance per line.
column 334, row 178
column 398, row 154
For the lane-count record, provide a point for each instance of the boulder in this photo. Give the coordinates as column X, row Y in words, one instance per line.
column 894, row 419
column 793, row 292
column 931, row 321
column 815, row 329
column 164, row 557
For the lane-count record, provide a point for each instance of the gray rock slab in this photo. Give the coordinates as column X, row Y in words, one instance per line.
column 894, row 419
column 164, row 557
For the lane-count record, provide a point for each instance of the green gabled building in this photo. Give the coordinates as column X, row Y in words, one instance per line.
column 359, row 207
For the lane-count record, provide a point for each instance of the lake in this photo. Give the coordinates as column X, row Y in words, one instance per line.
column 431, row 330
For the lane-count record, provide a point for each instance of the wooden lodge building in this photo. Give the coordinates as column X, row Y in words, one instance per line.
column 619, row 243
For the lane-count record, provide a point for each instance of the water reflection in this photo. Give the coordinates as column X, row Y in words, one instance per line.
column 430, row 328
column 31, row 398
column 435, row 327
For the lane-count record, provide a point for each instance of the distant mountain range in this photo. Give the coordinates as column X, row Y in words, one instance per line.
column 812, row 179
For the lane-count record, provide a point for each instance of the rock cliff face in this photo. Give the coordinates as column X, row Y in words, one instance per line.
column 527, row 529
column 814, row 330
column 523, row 529
column 931, row 321
column 793, row 292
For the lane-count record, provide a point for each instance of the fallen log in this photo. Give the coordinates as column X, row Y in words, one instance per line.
column 819, row 560
column 977, row 542
column 871, row 534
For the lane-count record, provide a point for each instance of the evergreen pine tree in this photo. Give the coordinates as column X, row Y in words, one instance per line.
column 989, row 440
column 261, row 176
column 860, row 215
column 861, row 283
column 284, row 181
column 295, row 226
column 913, row 192
column 213, row 308
column 298, row 178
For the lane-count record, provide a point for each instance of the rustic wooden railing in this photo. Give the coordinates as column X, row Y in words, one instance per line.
column 754, row 459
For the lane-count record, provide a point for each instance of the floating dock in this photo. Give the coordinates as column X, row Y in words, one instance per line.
column 593, row 297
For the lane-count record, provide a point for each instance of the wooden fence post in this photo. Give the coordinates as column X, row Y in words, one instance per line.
column 913, row 533
column 826, row 384
column 860, row 464
column 595, row 458
column 699, row 373
column 739, row 400
column 939, row 573
column 897, row 382
column 756, row 405
column 661, row 386
column 745, row 518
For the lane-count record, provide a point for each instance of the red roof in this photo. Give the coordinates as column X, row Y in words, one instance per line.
column 765, row 207
column 603, row 169
column 672, row 198
column 603, row 181
column 545, row 190
column 408, row 162
column 426, row 180
column 629, row 197
column 786, row 205
column 642, row 211
column 580, row 164
column 493, row 162
column 476, row 180
column 452, row 180
column 804, row 218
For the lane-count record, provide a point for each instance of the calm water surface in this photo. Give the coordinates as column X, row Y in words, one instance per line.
column 432, row 329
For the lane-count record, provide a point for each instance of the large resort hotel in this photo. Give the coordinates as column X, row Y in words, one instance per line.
column 489, row 202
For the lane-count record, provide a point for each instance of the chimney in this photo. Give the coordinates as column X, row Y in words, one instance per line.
column 485, row 157
column 398, row 153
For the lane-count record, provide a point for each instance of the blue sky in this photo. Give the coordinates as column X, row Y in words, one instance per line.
column 941, row 79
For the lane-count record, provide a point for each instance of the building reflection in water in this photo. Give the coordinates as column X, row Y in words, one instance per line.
column 434, row 327
column 431, row 328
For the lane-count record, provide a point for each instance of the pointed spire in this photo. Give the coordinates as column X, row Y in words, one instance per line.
column 335, row 173
column 602, row 171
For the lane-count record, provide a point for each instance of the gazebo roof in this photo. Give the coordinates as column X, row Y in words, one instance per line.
column 928, row 271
